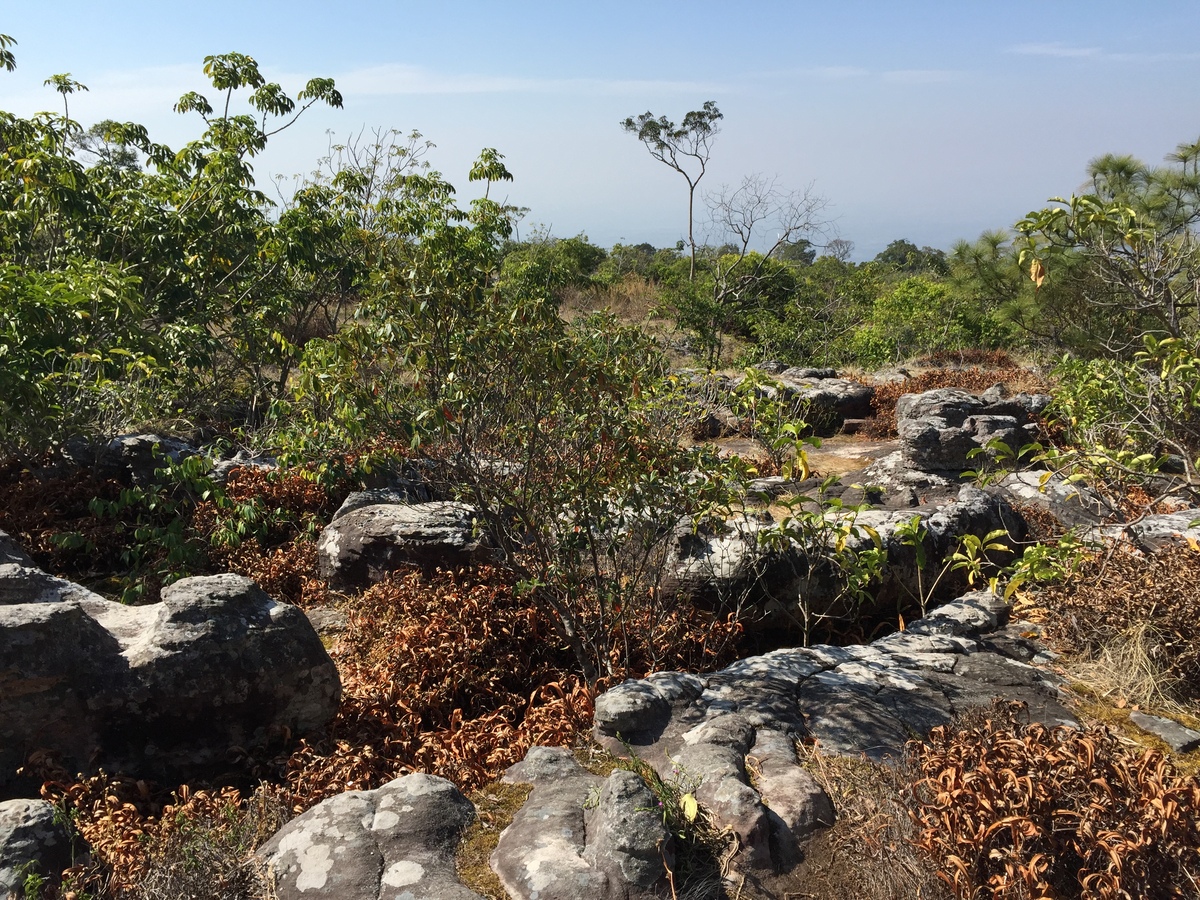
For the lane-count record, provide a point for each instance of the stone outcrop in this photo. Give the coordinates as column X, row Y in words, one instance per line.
column 823, row 389
column 366, row 543
column 580, row 835
column 938, row 429
column 31, row 842
column 165, row 690
column 852, row 700
column 393, row 843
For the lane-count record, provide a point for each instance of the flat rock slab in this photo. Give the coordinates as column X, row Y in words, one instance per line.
column 867, row 699
column 1178, row 737
column 393, row 843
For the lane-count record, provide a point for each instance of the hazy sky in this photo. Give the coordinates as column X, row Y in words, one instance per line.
column 929, row 121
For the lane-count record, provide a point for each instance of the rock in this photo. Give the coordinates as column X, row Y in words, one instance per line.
column 850, row 700
column 1153, row 532
column 1178, row 737
column 28, row 584
column 938, row 429
column 720, row 559
column 377, row 497
column 241, row 460
column 394, row 842
column 365, row 544
column 12, row 554
column 1071, row 505
column 715, row 422
column 821, row 388
column 31, row 842
column 163, row 691
column 581, row 836
column 134, row 458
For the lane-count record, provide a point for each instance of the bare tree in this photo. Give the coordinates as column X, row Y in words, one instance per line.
column 686, row 148
column 742, row 215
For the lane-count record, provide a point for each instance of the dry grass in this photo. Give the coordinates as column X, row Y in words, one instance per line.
column 496, row 805
column 868, row 853
column 1134, row 618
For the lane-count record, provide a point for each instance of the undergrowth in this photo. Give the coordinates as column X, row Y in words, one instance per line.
column 1011, row 810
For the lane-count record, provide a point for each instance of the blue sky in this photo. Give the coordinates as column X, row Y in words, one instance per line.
column 929, row 121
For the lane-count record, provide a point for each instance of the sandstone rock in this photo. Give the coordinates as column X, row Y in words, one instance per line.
column 162, row 691
column 394, row 842
column 29, row 584
column 133, row 458
column 1153, row 532
column 579, row 835
column 843, row 398
column 30, row 842
column 365, row 544
column 1071, row 505
column 938, row 429
column 12, row 554
column 851, row 700
column 1179, row 738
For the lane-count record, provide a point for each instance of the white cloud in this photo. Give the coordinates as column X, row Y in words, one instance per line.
column 1055, row 49
column 1059, row 50
column 921, row 76
column 838, row 73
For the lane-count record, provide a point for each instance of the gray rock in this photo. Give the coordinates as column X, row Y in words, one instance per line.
column 578, row 836
column 28, row 584
column 940, row 428
column 1071, row 505
column 394, row 842
column 630, row 709
column 163, row 691
column 12, row 554
column 1154, row 532
column 821, row 388
column 133, row 458
column 365, row 544
column 734, row 731
column 377, row 497
column 1179, row 738
column 627, row 839
column 241, row 460
column 31, row 842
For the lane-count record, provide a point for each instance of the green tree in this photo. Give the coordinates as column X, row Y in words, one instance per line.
column 686, row 148
column 1135, row 238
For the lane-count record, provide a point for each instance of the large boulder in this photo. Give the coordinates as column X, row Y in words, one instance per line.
column 32, row 841
column 165, row 690
column 821, row 389
column 938, row 429
column 397, row 841
column 365, row 544
column 134, row 458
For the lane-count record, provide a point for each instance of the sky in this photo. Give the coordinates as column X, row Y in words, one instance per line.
column 927, row 121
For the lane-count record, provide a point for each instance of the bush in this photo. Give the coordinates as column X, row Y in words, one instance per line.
column 1012, row 811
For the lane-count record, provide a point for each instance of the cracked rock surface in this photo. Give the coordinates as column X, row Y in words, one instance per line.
column 869, row 699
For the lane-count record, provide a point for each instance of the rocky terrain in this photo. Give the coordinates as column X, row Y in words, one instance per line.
column 170, row 690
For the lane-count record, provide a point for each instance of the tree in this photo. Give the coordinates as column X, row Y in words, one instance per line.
column 905, row 256
column 1136, row 235
column 686, row 148
column 738, row 280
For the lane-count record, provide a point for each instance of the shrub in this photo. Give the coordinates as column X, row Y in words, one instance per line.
column 1010, row 810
